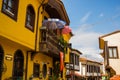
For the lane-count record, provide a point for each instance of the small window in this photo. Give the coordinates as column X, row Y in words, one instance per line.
column 78, row 60
column 87, row 68
column 10, row 8
column 30, row 18
column 113, row 53
column 71, row 58
column 50, row 71
column 44, row 69
column 36, row 70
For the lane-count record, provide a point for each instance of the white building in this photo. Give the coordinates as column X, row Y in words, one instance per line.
column 90, row 70
column 110, row 44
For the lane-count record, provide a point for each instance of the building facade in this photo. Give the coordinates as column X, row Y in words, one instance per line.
column 25, row 51
column 109, row 43
column 89, row 70
column 74, row 63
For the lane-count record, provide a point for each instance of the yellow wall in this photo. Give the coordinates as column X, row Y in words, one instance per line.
column 14, row 35
column 17, row 36
column 10, row 50
column 66, row 38
column 41, row 59
column 101, row 43
column 16, row 30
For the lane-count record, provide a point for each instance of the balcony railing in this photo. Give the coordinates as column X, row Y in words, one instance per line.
column 50, row 45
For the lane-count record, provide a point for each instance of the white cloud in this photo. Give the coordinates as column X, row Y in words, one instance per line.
column 85, row 18
column 86, row 41
column 101, row 15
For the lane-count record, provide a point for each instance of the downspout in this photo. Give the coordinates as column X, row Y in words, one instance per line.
column 26, row 67
column 37, row 25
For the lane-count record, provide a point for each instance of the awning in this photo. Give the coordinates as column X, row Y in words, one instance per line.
column 53, row 23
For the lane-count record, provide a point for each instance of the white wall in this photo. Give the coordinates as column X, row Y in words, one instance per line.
column 114, row 40
column 115, row 64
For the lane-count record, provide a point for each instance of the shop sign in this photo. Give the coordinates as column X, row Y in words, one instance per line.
column 8, row 57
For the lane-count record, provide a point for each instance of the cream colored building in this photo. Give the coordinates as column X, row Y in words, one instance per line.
column 110, row 44
column 90, row 70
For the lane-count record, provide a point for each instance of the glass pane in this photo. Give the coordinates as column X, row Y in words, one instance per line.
column 9, row 9
column 10, row 3
column 36, row 70
column 28, row 23
column 114, row 52
column 44, row 70
column 87, row 68
column 4, row 6
column 5, row 1
column 28, row 17
column 110, row 52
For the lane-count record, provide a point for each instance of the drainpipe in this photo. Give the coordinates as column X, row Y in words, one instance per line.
column 26, row 67
column 37, row 24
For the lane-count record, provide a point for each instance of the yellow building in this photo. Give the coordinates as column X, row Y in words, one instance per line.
column 25, row 52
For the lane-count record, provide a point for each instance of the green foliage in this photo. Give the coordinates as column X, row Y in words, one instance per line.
column 64, row 43
column 56, row 72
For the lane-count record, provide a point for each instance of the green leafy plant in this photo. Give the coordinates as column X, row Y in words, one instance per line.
column 64, row 43
column 56, row 72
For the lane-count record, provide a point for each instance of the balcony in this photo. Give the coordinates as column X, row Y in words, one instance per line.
column 50, row 43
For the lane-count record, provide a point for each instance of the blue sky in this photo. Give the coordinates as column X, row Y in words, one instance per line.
column 89, row 19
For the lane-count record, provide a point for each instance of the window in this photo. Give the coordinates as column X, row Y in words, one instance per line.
column 90, row 68
column 98, row 69
column 36, row 70
column 44, row 69
column 30, row 18
column 113, row 53
column 71, row 58
column 18, row 65
column 87, row 68
column 1, row 60
column 50, row 71
column 76, row 59
column 10, row 8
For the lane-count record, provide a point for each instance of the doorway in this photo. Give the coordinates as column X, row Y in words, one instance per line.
column 18, row 65
column 1, row 60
